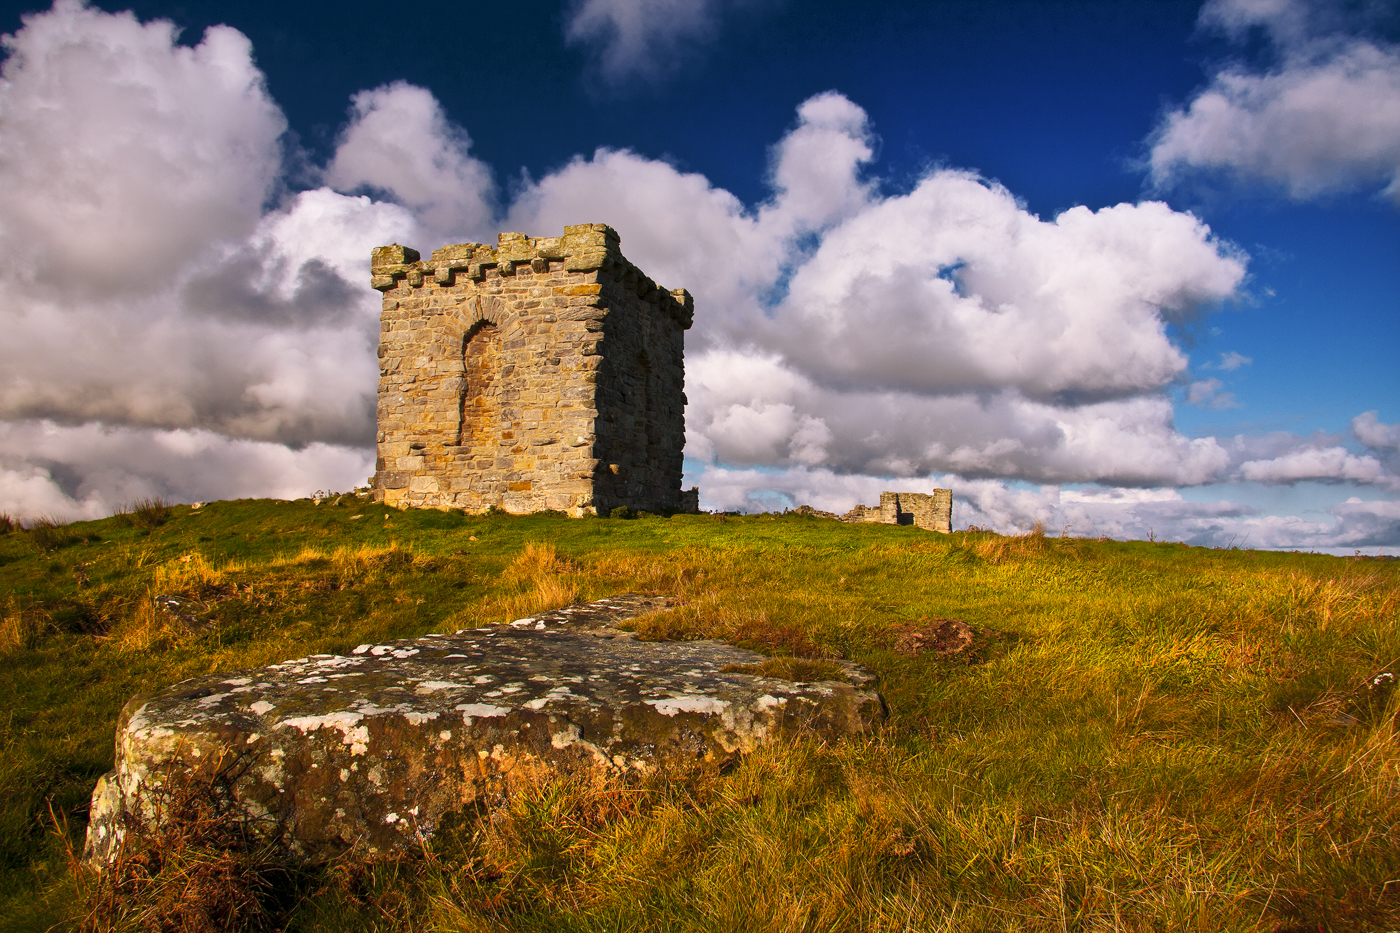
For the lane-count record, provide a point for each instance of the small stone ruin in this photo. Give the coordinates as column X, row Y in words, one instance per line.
column 934, row 512
column 369, row 751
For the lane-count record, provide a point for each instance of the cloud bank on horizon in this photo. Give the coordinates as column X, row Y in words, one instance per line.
column 183, row 323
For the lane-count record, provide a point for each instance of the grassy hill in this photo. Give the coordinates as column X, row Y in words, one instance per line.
column 1146, row 736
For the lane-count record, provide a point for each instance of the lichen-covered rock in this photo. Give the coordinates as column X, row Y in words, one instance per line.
column 371, row 749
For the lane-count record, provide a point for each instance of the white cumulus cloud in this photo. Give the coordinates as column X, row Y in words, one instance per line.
column 399, row 141
column 1324, row 463
column 1374, row 433
column 124, row 155
column 1324, row 118
column 1209, row 393
column 956, row 287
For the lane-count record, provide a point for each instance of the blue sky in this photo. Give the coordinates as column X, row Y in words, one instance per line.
column 1129, row 267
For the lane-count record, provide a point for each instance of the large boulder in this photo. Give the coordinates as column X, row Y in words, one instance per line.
column 370, row 750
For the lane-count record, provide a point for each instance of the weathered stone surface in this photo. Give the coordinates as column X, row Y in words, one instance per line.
column 510, row 373
column 934, row 512
column 370, row 750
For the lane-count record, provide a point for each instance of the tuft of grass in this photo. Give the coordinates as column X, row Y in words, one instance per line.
column 9, row 524
column 538, row 579
column 50, row 534
column 18, row 628
column 150, row 512
column 1151, row 737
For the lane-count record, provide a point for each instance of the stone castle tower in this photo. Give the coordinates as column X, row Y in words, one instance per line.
column 541, row 373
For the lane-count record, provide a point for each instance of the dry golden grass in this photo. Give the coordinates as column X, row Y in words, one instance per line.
column 537, row 580
column 996, row 548
column 17, row 627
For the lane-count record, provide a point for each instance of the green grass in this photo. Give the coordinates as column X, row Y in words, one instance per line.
column 1148, row 736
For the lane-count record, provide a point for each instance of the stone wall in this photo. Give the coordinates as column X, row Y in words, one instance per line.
column 540, row 373
column 934, row 512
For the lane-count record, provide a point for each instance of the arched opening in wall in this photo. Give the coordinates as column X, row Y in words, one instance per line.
column 479, row 406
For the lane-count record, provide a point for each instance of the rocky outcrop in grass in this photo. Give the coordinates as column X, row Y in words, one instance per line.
column 371, row 749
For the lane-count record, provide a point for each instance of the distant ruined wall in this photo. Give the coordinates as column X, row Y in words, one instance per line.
column 541, row 373
column 934, row 512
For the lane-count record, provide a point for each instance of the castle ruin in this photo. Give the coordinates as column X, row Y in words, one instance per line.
column 934, row 512
column 540, row 373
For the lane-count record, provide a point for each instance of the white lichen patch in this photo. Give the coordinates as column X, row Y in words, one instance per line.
column 337, row 661
column 472, row 711
column 346, row 722
column 566, row 736
column 261, row 708
column 704, row 705
column 432, row 686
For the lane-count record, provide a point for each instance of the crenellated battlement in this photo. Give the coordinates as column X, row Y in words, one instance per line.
column 582, row 248
column 539, row 373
